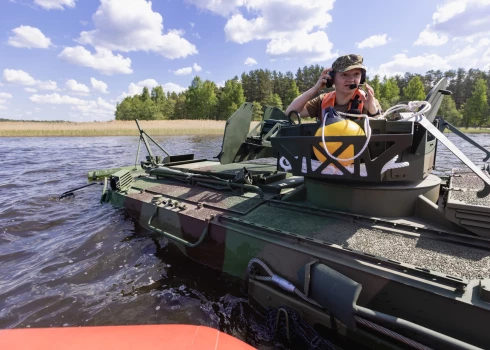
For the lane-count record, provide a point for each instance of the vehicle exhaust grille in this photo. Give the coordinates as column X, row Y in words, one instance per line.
column 121, row 181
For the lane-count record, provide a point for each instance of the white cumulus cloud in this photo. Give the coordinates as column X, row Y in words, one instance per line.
column 102, row 60
column 47, row 85
column 31, row 90
column 86, row 108
column 19, row 77
column 299, row 26
column 401, row 63
column 448, row 11
column 465, row 54
column 221, row 7
column 471, row 56
column 461, row 20
column 14, row 76
column 313, row 47
column 250, row 61
column 484, row 42
column 196, row 67
column 55, row 4
column 183, row 71
column 430, row 38
column 5, row 95
column 29, row 37
column 171, row 87
column 137, row 88
column 99, row 85
column 57, row 99
column 74, row 86
column 98, row 108
column 132, row 25
column 374, row 41
column 187, row 70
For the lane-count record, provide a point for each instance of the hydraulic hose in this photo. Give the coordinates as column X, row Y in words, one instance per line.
column 401, row 323
column 363, row 312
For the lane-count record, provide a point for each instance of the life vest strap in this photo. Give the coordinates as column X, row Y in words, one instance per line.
column 356, row 105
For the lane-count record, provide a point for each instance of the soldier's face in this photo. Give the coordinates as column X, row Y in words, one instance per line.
column 344, row 79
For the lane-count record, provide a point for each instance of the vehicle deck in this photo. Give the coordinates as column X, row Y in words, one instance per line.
column 419, row 250
column 469, row 261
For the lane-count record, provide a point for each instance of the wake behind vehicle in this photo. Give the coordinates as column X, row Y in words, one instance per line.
column 377, row 250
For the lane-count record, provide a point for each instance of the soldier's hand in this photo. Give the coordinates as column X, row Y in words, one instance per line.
column 370, row 101
column 322, row 81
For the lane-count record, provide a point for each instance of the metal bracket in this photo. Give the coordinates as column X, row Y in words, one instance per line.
column 279, row 311
column 175, row 238
column 445, row 124
column 308, row 276
column 449, row 145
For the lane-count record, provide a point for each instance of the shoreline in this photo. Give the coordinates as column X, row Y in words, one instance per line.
column 128, row 128
column 112, row 128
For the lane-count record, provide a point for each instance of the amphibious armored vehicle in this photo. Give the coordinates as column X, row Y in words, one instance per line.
column 381, row 251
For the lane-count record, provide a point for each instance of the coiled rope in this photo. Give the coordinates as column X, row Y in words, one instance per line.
column 367, row 130
column 412, row 106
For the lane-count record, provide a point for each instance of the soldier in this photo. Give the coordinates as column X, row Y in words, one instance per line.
column 346, row 74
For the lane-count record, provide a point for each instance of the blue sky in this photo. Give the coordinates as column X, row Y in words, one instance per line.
column 74, row 59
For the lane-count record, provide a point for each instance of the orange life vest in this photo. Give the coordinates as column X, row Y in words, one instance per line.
column 356, row 103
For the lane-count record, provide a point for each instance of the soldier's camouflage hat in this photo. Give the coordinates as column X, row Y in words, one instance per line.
column 348, row 62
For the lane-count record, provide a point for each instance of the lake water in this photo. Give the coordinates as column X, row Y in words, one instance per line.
column 77, row 262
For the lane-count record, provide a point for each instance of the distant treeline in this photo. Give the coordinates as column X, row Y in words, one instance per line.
column 468, row 105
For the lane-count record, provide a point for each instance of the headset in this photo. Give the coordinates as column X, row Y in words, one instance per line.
column 329, row 82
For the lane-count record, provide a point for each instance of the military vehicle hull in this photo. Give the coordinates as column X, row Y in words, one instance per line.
column 407, row 269
column 388, row 257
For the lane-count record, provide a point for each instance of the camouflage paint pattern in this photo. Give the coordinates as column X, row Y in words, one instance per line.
column 425, row 274
column 242, row 227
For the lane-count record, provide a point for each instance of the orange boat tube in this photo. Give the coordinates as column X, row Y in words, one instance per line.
column 174, row 337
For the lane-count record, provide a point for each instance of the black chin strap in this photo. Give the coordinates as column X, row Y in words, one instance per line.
column 354, row 105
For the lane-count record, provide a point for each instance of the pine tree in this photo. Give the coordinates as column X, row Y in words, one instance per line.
column 456, row 87
column 414, row 90
column 273, row 100
column 257, row 111
column 390, row 93
column 230, row 99
column 376, row 85
column 145, row 96
column 449, row 111
column 291, row 93
column 160, row 101
column 476, row 107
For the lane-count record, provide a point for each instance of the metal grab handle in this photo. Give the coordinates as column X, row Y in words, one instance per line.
column 177, row 239
column 450, row 146
column 451, row 127
column 297, row 115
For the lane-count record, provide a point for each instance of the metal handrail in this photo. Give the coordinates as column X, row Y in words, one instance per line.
column 178, row 239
